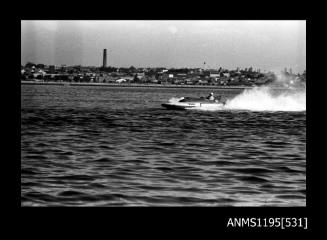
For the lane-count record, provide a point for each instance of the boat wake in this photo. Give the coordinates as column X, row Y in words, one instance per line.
column 291, row 97
column 267, row 99
column 284, row 94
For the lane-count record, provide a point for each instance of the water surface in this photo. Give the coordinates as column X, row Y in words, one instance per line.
column 102, row 146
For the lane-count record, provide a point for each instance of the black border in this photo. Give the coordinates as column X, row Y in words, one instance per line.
column 184, row 219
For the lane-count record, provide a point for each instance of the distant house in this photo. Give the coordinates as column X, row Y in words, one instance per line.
column 189, row 81
column 166, row 76
column 203, row 81
column 140, row 75
column 226, row 74
column 214, row 74
column 129, row 78
column 41, row 72
column 120, row 80
column 181, row 76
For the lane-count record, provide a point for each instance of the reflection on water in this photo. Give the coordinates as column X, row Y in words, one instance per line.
column 98, row 146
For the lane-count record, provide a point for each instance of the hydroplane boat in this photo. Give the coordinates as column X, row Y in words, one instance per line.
column 186, row 103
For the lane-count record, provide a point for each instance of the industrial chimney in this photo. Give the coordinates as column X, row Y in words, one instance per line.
column 104, row 58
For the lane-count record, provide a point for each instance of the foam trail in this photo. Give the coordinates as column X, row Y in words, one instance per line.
column 286, row 93
column 265, row 99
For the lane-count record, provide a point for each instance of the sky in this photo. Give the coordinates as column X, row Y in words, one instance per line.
column 265, row 45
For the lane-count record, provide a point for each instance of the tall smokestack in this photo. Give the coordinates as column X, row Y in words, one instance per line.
column 104, row 58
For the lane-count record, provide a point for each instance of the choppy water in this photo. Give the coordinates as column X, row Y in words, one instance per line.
column 100, row 146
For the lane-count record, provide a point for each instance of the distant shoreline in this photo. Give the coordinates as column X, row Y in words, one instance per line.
column 132, row 85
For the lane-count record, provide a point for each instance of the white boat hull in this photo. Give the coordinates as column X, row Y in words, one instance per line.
column 192, row 105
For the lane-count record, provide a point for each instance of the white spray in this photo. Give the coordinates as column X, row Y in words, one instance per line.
column 292, row 96
column 265, row 99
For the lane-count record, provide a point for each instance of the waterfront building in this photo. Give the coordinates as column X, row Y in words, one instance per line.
column 214, row 74
column 226, row 74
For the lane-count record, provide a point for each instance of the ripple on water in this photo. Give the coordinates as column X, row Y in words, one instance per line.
column 253, row 179
column 95, row 146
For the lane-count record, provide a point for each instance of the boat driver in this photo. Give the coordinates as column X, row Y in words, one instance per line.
column 211, row 97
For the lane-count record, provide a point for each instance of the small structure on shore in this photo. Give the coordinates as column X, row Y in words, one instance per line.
column 120, row 80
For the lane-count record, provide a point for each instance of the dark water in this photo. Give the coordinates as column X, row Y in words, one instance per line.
column 100, row 146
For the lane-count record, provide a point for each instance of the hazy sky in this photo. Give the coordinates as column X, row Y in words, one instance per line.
column 268, row 45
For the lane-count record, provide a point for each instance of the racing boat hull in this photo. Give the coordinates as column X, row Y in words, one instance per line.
column 192, row 103
column 177, row 106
